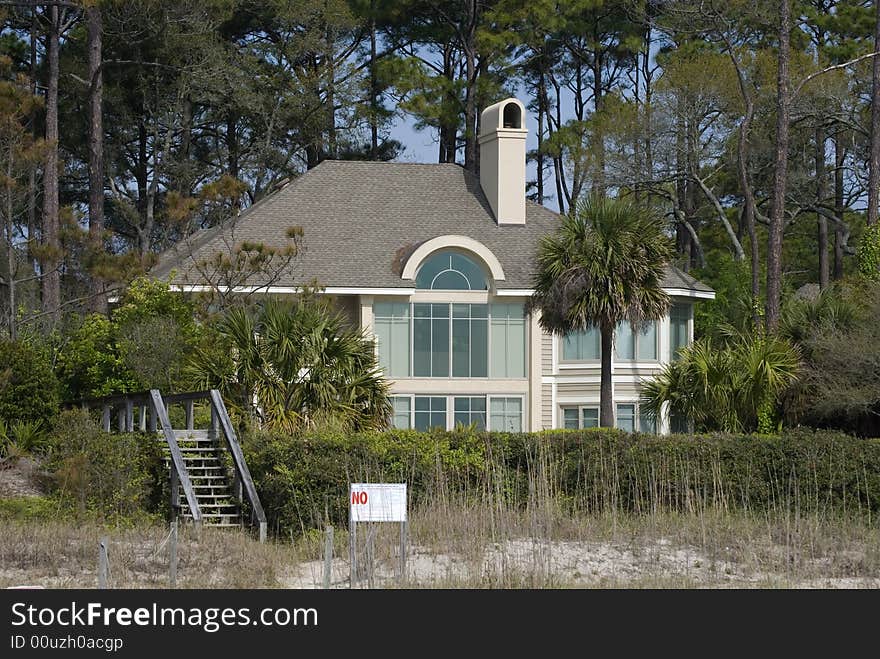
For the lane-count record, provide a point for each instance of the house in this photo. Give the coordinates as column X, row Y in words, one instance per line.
column 437, row 263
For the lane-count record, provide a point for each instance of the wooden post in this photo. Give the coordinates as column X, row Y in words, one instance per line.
column 352, row 550
column 172, row 551
column 120, row 419
column 175, row 490
column 154, row 419
column 105, row 418
column 142, row 424
column 189, row 414
column 328, row 556
column 103, row 562
column 129, row 415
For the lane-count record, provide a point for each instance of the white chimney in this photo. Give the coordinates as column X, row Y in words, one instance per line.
column 503, row 160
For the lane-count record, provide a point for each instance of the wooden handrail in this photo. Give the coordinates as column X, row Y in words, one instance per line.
column 241, row 467
column 176, row 456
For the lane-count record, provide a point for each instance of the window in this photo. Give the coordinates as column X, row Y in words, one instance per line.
column 629, row 345
column 451, row 271
column 580, row 417
column 451, row 340
column 506, row 414
column 470, row 341
column 431, row 340
column 647, row 422
column 647, row 340
column 508, row 341
column 581, row 346
column 626, row 417
column 470, row 410
column 501, row 413
column 392, row 334
column 402, row 408
column 679, row 337
column 430, row 412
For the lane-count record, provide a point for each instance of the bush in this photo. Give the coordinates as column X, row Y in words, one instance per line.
column 102, row 473
column 28, row 387
column 303, row 480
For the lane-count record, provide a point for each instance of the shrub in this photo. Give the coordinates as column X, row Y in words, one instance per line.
column 303, row 480
column 28, row 387
column 103, row 473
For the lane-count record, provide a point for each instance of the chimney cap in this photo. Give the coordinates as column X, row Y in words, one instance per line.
column 509, row 114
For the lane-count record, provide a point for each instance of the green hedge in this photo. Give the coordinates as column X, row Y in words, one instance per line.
column 303, row 480
column 107, row 475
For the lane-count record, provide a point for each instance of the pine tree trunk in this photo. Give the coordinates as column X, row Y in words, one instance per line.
column 374, row 88
column 780, row 177
column 51, row 283
column 839, row 158
column 874, row 161
column 470, row 101
column 97, row 300
column 822, row 238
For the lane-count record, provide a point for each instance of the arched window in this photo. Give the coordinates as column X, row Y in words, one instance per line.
column 451, row 271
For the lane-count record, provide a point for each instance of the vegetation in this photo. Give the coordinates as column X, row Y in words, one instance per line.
column 604, row 265
column 595, row 472
column 295, row 366
column 28, row 388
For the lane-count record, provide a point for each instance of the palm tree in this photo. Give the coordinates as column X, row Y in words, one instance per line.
column 296, row 366
column 735, row 387
column 604, row 265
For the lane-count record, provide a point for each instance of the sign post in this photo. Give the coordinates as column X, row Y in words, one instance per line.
column 375, row 502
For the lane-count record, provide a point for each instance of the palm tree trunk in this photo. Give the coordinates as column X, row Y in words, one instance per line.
column 606, row 395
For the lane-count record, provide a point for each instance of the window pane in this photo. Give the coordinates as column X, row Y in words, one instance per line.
column 402, row 406
column 679, row 315
column 461, row 340
column 624, row 342
column 581, row 346
column 590, row 417
column 570, row 418
column 626, row 417
column 430, row 412
column 470, row 410
column 451, row 271
column 421, row 345
column 678, row 423
column 508, row 341
column 392, row 336
column 647, row 422
column 506, row 414
column 439, row 347
column 648, row 342
column 479, row 347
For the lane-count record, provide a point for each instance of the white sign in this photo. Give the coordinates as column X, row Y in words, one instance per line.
column 378, row 502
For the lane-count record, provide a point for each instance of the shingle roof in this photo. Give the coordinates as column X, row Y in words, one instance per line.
column 360, row 221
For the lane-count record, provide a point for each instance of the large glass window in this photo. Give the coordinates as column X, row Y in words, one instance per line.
column 430, row 412
column 506, row 414
column 451, row 339
column 625, row 342
column 508, row 341
column 679, row 317
column 392, row 333
column 647, row 422
column 470, row 341
column 402, row 408
column 431, row 340
column 630, row 345
column 451, row 271
column 470, row 410
column 581, row 346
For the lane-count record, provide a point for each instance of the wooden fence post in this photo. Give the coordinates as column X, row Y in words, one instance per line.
column 172, row 558
column 328, row 556
column 103, row 562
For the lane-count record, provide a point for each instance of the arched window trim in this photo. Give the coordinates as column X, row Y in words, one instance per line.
column 467, row 246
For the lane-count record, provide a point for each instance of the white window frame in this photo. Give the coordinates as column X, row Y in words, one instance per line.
column 450, row 407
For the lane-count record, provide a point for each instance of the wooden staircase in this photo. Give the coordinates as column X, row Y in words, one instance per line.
column 210, row 478
column 207, row 465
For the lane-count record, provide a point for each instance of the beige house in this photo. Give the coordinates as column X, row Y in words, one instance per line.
column 438, row 265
